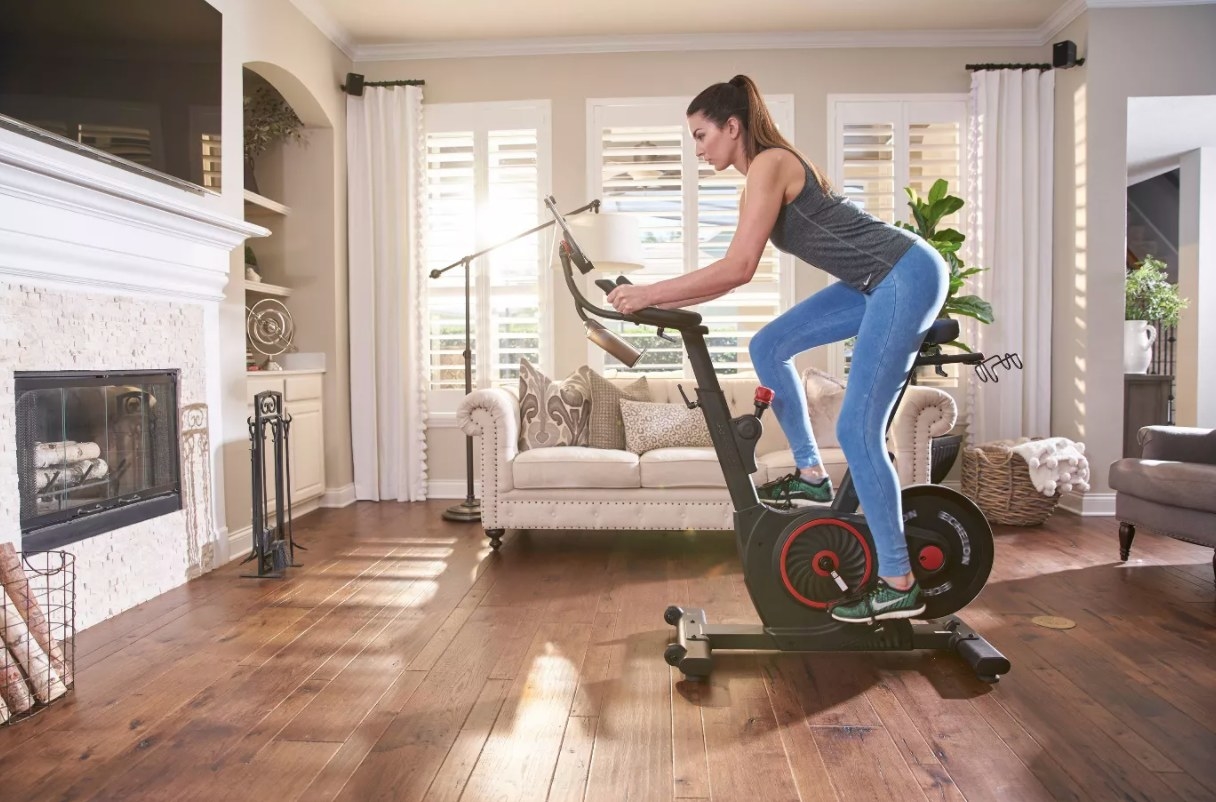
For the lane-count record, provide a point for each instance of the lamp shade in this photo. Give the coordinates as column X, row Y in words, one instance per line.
column 612, row 242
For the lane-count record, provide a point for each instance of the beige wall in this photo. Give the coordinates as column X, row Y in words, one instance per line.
column 568, row 81
column 307, row 68
column 1129, row 53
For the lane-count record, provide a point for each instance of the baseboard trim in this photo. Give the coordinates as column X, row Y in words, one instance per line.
column 451, row 488
column 1088, row 505
column 338, row 497
column 240, row 542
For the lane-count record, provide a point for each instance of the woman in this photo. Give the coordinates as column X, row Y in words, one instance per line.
column 890, row 286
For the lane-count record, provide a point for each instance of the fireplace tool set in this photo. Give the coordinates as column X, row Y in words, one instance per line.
column 273, row 544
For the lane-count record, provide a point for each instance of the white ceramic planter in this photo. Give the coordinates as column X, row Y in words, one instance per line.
column 1138, row 339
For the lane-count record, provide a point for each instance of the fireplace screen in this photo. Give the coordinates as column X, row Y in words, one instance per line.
column 94, row 452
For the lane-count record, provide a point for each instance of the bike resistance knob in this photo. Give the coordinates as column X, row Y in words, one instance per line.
column 764, row 397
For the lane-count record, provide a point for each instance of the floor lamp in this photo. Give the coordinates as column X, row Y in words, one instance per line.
column 611, row 241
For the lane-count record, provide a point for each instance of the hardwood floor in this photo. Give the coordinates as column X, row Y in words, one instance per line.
column 405, row 661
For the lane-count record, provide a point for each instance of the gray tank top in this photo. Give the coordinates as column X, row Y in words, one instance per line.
column 828, row 231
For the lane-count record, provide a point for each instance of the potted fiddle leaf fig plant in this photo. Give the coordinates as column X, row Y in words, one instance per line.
column 927, row 214
column 1150, row 300
column 269, row 120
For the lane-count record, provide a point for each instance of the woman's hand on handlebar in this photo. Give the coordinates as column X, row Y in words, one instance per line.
column 629, row 298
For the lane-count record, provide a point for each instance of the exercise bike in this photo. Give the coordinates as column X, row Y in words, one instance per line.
column 798, row 562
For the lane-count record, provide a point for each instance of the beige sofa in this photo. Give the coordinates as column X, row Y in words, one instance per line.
column 569, row 487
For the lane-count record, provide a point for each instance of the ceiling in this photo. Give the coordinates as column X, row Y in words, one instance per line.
column 357, row 24
column 1161, row 129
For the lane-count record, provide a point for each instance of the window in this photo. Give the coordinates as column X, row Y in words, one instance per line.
column 880, row 145
column 487, row 173
column 642, row 162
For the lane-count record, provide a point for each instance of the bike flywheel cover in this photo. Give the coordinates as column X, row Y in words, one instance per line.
column 812, row 550
column 950, row 546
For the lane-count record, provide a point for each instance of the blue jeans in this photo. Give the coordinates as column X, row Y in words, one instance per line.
column 890, row 323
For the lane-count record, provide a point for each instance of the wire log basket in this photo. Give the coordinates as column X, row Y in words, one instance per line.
column 998, row 481
column 37, row 631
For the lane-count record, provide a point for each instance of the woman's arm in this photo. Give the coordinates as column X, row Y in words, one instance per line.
column 691, row 301
column 765, row 193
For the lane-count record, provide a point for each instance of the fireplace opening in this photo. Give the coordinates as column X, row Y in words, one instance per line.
column 95, row 452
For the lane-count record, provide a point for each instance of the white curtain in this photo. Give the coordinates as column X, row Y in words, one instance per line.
column 1011, row 135
column 385, row 156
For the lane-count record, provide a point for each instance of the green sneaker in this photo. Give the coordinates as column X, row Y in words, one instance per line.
column 792, row 487
column 881, row 603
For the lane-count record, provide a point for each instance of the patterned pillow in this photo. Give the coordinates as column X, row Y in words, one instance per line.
column 607, row 428
column 552, row 413
column 651, row 426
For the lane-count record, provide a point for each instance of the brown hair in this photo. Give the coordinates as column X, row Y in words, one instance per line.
column 740, row 98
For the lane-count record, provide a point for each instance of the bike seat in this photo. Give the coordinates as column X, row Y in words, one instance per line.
column 943, row 330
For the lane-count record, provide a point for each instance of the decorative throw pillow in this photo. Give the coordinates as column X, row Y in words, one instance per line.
column 650, row 426
column 607, row 429
column 552, row 413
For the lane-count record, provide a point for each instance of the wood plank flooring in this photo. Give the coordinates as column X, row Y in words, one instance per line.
column 405, row 661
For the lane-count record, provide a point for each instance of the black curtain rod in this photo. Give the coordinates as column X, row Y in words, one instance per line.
column 974, row 67
column 406, row 82
column 355, row 83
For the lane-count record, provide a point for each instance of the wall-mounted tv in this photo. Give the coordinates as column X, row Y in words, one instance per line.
column 136, row 82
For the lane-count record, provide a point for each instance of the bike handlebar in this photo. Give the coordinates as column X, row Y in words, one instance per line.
column 679, row 319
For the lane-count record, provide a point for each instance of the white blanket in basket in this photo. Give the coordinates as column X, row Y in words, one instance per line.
column 1055, row 463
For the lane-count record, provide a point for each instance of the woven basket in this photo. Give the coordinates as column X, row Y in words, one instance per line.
column 998, row 481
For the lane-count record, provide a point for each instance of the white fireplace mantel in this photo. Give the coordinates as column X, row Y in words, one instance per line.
column 67, row 219
column 104, row 268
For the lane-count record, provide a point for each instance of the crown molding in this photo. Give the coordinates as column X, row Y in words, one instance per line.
column 327, row 25
column 316, row 13
column 1064, row 16
column 1146, row 3
column 548, row 46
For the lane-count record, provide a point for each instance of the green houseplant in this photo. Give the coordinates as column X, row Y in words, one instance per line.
column 1149, row 295
column 269, row 119
column 1149, row 300
column 927, row 214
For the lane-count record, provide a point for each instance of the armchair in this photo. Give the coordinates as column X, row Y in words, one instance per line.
column 1170, row 489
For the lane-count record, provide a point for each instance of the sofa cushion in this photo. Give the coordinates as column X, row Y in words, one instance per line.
column 575, row 466
column 1175, row 484
column 687, row 467
column 650, row 426
column 607, row 429
column 552, row 413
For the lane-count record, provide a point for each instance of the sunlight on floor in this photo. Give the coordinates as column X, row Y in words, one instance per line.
column 546, row 695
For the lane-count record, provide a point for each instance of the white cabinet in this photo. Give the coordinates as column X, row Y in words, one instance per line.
column 301, row 391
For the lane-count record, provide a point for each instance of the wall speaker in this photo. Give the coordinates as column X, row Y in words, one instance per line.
column 1064, row 54
column 354, row 84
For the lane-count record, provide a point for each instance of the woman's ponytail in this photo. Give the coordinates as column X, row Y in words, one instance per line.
column 740, row 97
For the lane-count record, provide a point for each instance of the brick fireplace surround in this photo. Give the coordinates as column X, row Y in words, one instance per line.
column 106, row 269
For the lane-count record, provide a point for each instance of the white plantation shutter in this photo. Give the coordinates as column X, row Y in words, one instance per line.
column 450, row 210
column 643, row 162
column 513, row 279
column 487, row 170
column 867, row 167
column 877, row 147
column 642, row 174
